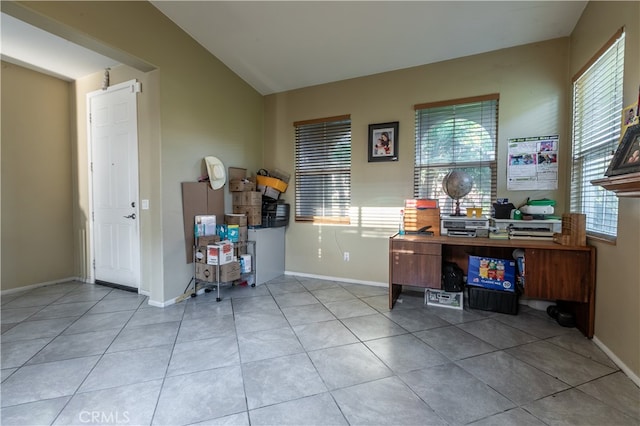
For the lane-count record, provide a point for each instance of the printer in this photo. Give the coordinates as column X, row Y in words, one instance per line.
column 462, row 226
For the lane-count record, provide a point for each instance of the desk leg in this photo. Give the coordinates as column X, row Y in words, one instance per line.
column 394, row 292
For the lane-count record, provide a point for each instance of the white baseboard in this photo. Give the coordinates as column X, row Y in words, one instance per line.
column 341, row 279
column 32, row 286
column 162, row 304
column 175, row 300
column 617, row 361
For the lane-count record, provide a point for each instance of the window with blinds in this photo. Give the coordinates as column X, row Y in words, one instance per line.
column 323, row 170
column 597, row 106
column 462, row 135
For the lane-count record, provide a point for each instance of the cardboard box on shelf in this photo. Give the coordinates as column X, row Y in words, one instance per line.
column 270, row 192
column 253, row 213
column 248, row 210
column 238, row 180
column 240, row 185
column 246, row 198
column 254, row 219
column 220, row 253
column 205, row 272
column 200, row 255
column 207, row 240
column 491, row 273
column 229, row 271
column 236, row 219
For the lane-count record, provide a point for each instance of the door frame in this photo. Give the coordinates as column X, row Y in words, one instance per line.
column 135, row 87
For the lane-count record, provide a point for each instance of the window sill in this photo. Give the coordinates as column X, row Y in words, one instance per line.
column 627, row 185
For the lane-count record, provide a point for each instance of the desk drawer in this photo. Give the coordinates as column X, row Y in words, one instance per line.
column 412, row 247
column 419, row 270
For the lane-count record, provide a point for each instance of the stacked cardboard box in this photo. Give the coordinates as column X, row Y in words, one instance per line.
column 248, row 203
column 213, row 256
column 245, row 199
column 419, row 213
column 239, row 182
column 228, row 272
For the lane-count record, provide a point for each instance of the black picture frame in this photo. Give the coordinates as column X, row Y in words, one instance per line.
column 383, row 142
column 627, row 157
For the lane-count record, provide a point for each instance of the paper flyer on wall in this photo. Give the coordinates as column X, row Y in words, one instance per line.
column 532, row 163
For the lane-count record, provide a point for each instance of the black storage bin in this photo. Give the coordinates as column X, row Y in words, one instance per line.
column 485, row 299
column 275, row 214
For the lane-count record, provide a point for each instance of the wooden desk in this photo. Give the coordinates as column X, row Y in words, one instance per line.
column 565, row 274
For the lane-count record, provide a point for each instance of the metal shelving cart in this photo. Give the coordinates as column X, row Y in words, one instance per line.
column 246, row 278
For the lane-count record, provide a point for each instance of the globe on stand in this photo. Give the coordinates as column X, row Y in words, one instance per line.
column 456, row 184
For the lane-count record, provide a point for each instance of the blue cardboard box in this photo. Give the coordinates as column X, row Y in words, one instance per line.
column 491, row 273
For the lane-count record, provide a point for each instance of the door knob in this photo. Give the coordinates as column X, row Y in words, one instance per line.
column 131, row 216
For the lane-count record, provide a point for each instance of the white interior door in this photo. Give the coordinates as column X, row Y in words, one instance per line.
column 113, row 137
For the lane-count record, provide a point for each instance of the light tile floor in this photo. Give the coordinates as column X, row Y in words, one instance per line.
column 296, row 351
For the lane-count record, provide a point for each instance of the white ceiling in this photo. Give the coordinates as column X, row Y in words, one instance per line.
column 277, row 46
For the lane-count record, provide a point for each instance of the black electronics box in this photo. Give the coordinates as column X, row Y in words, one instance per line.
column 485, row 299
column 503, row 211
column 275, row 214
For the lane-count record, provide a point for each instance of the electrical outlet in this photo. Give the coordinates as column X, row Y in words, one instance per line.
column 346, row 256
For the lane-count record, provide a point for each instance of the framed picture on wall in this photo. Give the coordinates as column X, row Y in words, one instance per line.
column 383, row 142
column 627, row 157
column 629, row 116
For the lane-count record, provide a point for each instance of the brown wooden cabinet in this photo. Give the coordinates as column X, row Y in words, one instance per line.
column 552, row 274
column 416, row 264
column 565, row 274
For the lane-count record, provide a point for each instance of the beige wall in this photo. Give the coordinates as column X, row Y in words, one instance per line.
column 37, row 209
column 531, row 81
column 202, row 109
column 618, row 268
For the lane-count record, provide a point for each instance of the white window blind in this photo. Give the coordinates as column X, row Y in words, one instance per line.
column 457, row 134
column 597, row 106
column 323, row 170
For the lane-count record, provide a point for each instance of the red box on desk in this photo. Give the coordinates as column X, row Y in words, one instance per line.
column 491, row 273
